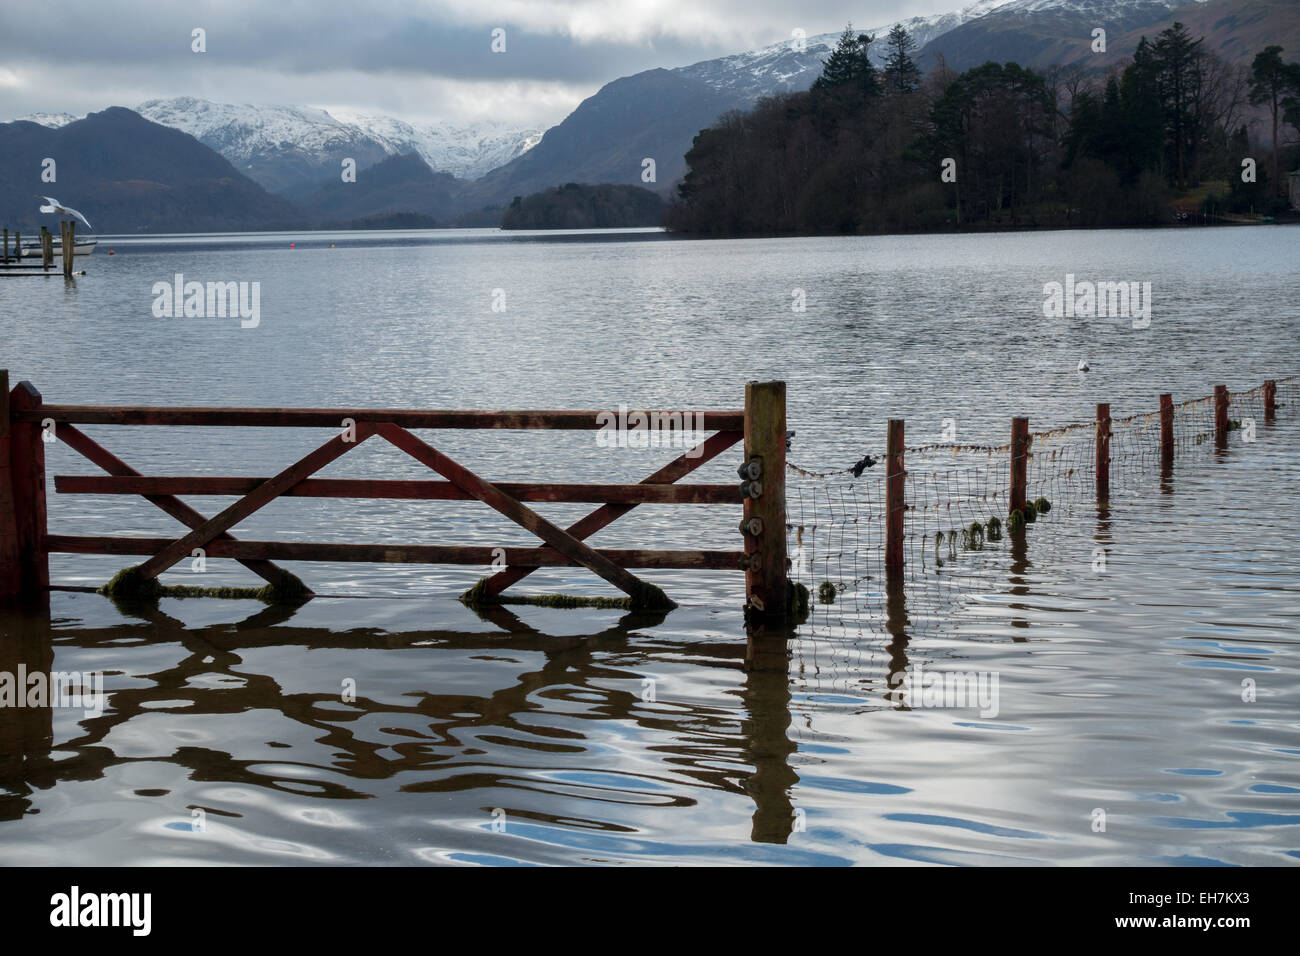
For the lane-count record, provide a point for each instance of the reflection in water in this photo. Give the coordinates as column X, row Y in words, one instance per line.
column 26, row 733
column 212, row 677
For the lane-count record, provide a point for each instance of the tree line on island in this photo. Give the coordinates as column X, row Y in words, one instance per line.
column 887, row 149
column 585, row 206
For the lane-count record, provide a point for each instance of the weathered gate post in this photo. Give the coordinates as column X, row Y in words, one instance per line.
column 24, row 562
column 764, row 487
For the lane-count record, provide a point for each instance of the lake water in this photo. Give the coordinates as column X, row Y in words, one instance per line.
column 543, row 736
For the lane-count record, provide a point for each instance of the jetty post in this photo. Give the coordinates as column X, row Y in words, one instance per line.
column 68, row 232
column 1270, row 400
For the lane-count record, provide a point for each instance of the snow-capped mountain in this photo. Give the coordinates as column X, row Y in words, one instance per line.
column 52, row 120
column 791, row 65
column 291, row 148
column 466, row 151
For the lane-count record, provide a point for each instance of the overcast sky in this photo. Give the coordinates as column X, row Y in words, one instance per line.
column 419, row 61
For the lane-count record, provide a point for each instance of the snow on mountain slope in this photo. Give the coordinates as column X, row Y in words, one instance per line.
column 466, row 151
column 52, row 120
column 783, row 67
column 287, row 147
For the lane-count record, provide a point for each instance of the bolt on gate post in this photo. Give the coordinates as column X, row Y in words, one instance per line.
column 765, row 551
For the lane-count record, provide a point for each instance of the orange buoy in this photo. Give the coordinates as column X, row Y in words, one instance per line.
column 111, row 252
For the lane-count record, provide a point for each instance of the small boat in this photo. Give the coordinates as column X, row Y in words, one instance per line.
column 81, row 247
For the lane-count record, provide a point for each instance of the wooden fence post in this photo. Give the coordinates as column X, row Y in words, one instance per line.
column 1103, row 452
column 766, row 564
column 895, row 505
column 1166, row 431
column 24, row 562
column 1019, row 461
column 1270, row 400
column 1220, row 415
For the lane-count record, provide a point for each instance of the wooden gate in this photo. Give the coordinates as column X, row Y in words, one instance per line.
column 27, row 425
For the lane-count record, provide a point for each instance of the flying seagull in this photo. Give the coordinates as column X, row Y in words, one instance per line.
column 53, row 205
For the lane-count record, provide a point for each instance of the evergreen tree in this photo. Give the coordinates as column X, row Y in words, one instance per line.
column 848, row 67
column 1276, row 84
column 902, row 75
column 1176, row 60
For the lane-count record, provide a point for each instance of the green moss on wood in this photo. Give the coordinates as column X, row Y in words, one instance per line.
column 128, row 584
column 653, row 599
column 797, row 597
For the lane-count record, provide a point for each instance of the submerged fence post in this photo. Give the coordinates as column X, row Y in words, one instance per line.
column 1103, row 452
column 766, row 564
column 1220, row 415
column 895, row 506
column 24, row 562
column 1270, row 400
column 1166, row 431
column 1019, row 460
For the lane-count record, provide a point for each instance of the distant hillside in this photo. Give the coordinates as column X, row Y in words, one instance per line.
column 401, row 184
column 653, row 115
column 127, row 174
column 582, row 206
column 1046, row 33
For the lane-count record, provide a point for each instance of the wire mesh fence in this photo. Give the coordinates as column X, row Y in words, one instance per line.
column 956, row 500
column 957, row 546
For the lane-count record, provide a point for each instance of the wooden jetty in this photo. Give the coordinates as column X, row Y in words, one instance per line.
column 13, row 265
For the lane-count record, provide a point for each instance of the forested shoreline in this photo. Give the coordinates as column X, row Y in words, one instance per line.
column 1160, row 140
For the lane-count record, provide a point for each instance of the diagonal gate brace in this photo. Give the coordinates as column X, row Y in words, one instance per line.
column 643, row 594
column 86, row 446
column 607, row 514
column 262, row 495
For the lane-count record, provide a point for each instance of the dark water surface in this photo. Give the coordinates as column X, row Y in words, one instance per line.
column 534, row 735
